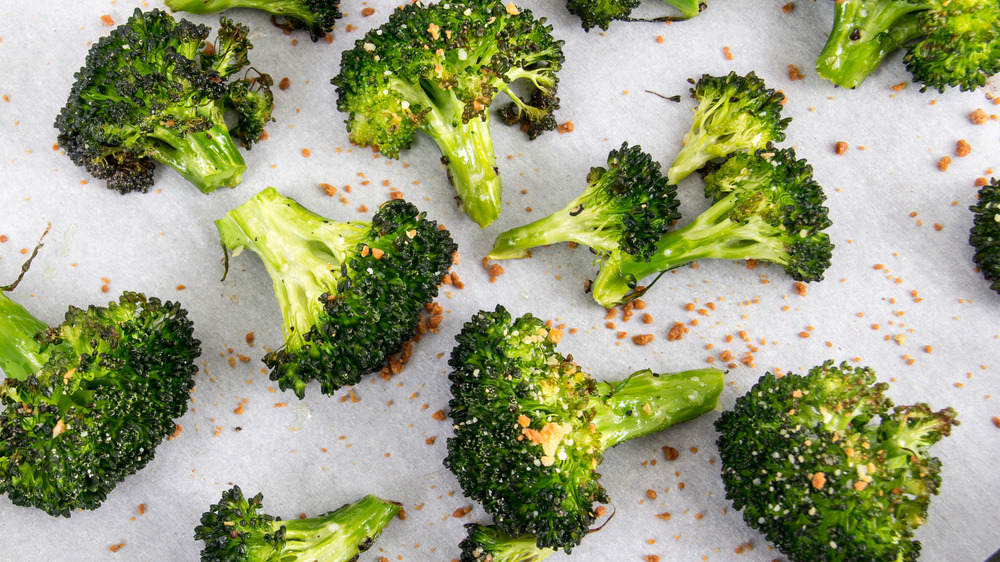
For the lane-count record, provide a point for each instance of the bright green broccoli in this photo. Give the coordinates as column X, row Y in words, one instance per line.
column 350, row 293
column 485, row 543
column 148, row 93
column 437, row 68
column 767, row 208
column 86, row 403
column 600, row 13
column 827, row 469
column 985, row 233
column 236, row 530
column 316, row 16
column 531, row 428
column 626, row 207
column 948, row 42
column 735, row 113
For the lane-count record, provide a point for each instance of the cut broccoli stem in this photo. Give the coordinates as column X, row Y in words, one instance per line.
column 274, row 7
column 209, row 159
column 647, row 402
column 578, row 222
column 688, row 8
column 340, row 534
column 864, row 33
column 19, row 354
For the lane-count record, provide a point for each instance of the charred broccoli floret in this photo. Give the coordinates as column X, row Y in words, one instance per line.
column 485, row 543
column 600, row 13
column 315, row 16
column 985, row 234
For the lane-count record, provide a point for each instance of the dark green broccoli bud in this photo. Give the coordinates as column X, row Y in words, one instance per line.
column 86, row 403
column 827, row 469
column 734, row 114
column 236, row 530
column 767, row 208
column 948, row 42
column 600, row 13
column 437, row 68
column 350, row 293
column 985, row 233
column 489, row 544
column 316, row 16
column 626, row 207
column 148, row 93
column 531, row 428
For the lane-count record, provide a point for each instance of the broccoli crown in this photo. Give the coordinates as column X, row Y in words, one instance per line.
column 827, row 468
column 350, row 292
column 735, row 113
column 148, row 93
column 600, row 13
column 90, row 399
column 489, row 544
column 626, row 207
column 985, row 233
column 315, row 16
column 948, row 42
column 237, row 530
column 531, row 427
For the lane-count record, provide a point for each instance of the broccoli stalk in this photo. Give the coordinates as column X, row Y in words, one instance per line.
column 984, row 236
column 600, row 13
column 235, row 530
column 316, row 16
column 485, row 543
column 19, row 353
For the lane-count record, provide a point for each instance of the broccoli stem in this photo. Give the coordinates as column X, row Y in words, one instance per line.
column 19, row 353
column 583, row 227
column 340, row 534
column 864, row 33
column 274, row 7
column 209, row 159
column 688, row 8
column 646, row 402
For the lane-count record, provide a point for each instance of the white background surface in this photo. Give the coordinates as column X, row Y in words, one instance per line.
column 157, row 241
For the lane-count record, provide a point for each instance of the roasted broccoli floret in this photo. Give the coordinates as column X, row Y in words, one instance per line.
column 827, row 469
column 600, row 13
column 735, row 113
column 351, row 293
column 316, row 16
column 237, row 530
column 985, row 234
column 437, row 68
column 86, row 403
column 948, row 42
column 531, row 428
column 626, row 207
column 767, row 208
column 150, row 92
column 485, row 543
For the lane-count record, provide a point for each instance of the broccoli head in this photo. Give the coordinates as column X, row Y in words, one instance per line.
column 316, row 16
column 85, row 403
column 350, row 292
column 236, row 530
column 735, row 113
column 148, row 93
column 531, row 428
column 485, row 543
column 626, row 207
column 985, row 234
column 767, row 208
column 948, row 42
column 827, row 468
column 437, row 68
column 600, row 13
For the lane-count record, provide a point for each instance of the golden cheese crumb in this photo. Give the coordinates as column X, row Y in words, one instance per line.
column 840, row 147
column 642, row 339
column 978, row 117
column 434, row 30
column 819, row 480
column 670, row 453
column 728, row 53
column 564, row 128
column 511, row 9
column 439, row 415
column 677, row 331
column 943, row 163
column 962, row 148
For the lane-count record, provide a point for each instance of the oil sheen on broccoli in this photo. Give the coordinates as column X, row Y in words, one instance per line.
column 985, row 233
column 626, row 207
column 237, row 530
column 531, row 428
column 948, row 42
column 438, row 68
column 827, row 469
column 767, row 208
column 735, row 113
column 150, row 92
column 315, row 16
column 600, row 13
column 86, row 402
column 486, row 543
column 350, row 293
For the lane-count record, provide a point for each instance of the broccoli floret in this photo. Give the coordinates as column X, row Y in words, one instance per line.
column 86, row 403
column 600, row 13
column 350, row 292
column 948, row 42
column 316, row 16
column 531, row 428
column 827, row 469
column 236, row 530
column 149, row 93
column 985, row 233
column 767, row 208
column 626, row 207
column 485, row 543
column 735, row 113
column 437, row 68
